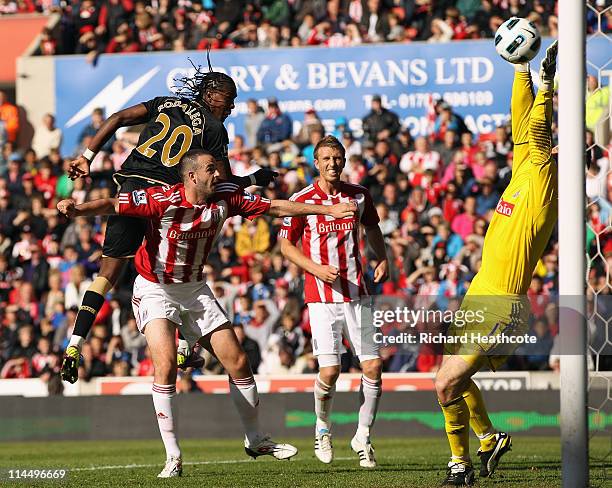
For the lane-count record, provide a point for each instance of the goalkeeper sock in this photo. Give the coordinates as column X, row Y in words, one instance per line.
column 163, row 396
column 246, row 399
column 479, row 418
column 90, row 306
column 456, row 424
column 369, row 396
column 323, row 396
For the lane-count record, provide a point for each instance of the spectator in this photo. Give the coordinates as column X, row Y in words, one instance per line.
column 308, row 152
column 374, row 21
column 123, row 41
column 463, row 224
column 76, row 287
column 597, row 110
column 276, row 127
column 9, row 118
column 253, row 237
column 500, row 147
column 250, row 347
column 259, row 326
column 417, row 163
column 97, row 119
column 311, row 124
column 46, row 137
column 254, row 118
column 380, row 123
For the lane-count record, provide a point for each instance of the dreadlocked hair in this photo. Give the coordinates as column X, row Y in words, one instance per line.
column 194, row 87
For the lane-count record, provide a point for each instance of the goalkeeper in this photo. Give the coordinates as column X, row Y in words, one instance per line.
column 518, row 234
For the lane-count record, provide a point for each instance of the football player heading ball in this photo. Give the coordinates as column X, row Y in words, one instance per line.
column 173, row 126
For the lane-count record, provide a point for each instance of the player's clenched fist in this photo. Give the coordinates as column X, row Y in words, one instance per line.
column 344, row 210
column 67, row 207
column 78, row 168
column 326, row 273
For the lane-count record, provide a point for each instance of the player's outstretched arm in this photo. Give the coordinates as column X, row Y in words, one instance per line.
column 326, row 273
column 262, row 177
column 103, row 206
column 137, row 114
column 285, row 208
column 377, row 241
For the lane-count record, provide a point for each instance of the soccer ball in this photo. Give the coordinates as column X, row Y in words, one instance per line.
column 517, row 40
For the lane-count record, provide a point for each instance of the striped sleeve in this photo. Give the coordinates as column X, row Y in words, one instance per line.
column 150, row 203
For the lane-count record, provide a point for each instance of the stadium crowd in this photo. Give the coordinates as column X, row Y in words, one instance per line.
column 434, row 195
column 122, row 26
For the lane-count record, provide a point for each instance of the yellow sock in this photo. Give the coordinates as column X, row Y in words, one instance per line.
column 479, row 418
column 456, row 424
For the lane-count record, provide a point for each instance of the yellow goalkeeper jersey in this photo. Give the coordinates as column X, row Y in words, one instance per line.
column 528, row 209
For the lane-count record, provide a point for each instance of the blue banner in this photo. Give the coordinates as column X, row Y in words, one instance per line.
column 336, row 82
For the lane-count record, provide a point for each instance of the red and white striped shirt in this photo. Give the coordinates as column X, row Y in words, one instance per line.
column 180, row 235
column 334, row 242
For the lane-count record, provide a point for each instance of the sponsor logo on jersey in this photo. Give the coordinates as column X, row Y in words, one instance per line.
column 139, row 197
column 191, row 234
column 162, row 415
column 504, row 208
column 335, row 226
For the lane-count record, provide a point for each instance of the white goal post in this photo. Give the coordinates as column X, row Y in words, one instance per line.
column 572, row 260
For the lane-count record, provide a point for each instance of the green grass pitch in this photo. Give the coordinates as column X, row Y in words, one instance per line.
column 403, row 462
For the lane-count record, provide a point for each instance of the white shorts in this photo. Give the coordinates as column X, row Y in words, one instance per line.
column 330, row 321
column 191, row 306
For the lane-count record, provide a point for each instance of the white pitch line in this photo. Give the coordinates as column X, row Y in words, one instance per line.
column 187, row 463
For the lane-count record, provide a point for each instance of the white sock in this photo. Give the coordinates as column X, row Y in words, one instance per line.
column 76, row 341
column 183, row 347
column 324, row 396
column 246, row 399
column 369, row 396
column 162, row 401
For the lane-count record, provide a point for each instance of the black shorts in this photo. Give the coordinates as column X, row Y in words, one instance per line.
column 124, row 234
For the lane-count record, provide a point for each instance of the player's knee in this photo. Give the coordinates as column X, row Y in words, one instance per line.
column 329, row 375
column 111, row 268
column 372, row 368
column 444, row 388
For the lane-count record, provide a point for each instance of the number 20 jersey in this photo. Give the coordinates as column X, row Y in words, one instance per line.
column 174, row 126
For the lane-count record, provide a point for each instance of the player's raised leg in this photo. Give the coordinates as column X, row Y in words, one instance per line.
column 243, row 390
column 93, row 300
column 123, row 238
column 160, row 339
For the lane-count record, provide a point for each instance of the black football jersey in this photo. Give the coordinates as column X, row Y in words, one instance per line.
column 175, row 126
